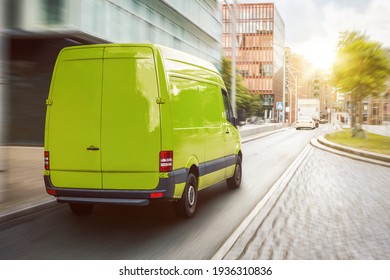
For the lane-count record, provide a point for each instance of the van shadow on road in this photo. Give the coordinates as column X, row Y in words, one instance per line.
column 111, row 231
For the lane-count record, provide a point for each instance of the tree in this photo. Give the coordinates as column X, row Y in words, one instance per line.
column 361, row 69
column 244, row 100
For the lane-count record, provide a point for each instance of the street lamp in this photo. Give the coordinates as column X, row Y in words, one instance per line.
column 296, row 97
column 295, row 77
column 284, row 79
column 289, row 102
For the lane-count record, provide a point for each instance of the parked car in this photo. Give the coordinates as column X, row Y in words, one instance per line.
column 317, row 122
column 322, row 121
column 305, row 122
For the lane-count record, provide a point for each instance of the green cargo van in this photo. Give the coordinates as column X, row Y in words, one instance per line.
column 129, row 123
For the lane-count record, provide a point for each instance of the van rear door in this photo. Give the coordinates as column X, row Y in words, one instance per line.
column 104, row 120
column 130, row 135
column 73, row 124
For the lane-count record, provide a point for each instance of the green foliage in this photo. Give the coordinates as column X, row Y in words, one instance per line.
column 244, row 100
column 361, row 67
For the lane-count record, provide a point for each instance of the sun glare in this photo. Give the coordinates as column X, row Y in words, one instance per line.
column 319, row 53
column 322, row 60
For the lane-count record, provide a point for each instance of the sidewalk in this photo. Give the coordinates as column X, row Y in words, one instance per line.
column 378, row 129
column 25, row 190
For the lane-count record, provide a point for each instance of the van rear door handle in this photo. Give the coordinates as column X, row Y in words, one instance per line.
column 93, row 148
column 227, row 131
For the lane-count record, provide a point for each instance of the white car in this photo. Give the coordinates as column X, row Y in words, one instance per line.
column 305, row 122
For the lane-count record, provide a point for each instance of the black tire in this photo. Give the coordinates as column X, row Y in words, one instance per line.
column 81, row 209
column 235, row 181
column 186, row 206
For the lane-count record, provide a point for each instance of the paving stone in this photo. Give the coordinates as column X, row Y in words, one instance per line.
column 332, row 208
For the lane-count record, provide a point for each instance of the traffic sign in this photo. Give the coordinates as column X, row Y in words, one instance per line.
column 279, row 106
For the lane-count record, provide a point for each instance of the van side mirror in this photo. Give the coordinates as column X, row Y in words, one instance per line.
column 235, row 121
column 241, row 119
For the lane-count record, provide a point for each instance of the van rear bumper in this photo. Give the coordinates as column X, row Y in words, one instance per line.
column 97, row 200
column 165, row 188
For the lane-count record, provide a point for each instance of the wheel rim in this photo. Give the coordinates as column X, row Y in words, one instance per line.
column 238, row 173
column 191, row 195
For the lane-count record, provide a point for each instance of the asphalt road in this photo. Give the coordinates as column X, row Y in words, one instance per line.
column 154, row 232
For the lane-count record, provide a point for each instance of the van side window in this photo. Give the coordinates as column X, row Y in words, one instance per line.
column 228, row 107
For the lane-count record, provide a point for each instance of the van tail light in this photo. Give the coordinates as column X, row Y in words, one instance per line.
column 47, row 160
column 51, row 192
column 156, row 195
column 166, row 161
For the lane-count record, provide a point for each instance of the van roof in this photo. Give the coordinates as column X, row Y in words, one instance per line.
column 167, row 53
column 176, row 55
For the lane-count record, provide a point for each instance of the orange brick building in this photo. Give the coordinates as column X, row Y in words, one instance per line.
column 260, row 51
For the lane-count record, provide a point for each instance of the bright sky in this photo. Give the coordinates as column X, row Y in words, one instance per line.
column 313, row 26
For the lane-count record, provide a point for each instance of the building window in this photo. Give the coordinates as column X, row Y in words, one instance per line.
column 375, row 109
column 244, row 73
column 386, row 112
column 266, row 70
column 268, row 100
column 53, row 11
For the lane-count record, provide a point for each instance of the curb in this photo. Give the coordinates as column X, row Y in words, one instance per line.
column 237, row 242
column 353, row 153
column 27, row 211
column 261, row 135
column 261, row 129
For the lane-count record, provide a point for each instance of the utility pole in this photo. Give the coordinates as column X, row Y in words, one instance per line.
column 284, row 85
column 284, row 79
column 3, row 100
column 295, row 77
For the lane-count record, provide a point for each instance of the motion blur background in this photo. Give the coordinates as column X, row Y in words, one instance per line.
column 34, row 31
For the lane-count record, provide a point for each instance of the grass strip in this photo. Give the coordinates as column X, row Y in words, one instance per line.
column 372, row 142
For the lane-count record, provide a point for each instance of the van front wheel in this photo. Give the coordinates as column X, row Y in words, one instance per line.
column 186, row 206
column 235, row 181
column 81, row 209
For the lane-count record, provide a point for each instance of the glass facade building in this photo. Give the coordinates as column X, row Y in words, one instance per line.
column 36, row 30
column 191, row 26
column 260, row 35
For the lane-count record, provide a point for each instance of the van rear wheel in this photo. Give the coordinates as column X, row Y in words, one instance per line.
column 81, row 209
column 235, row 181
column 186, row 206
